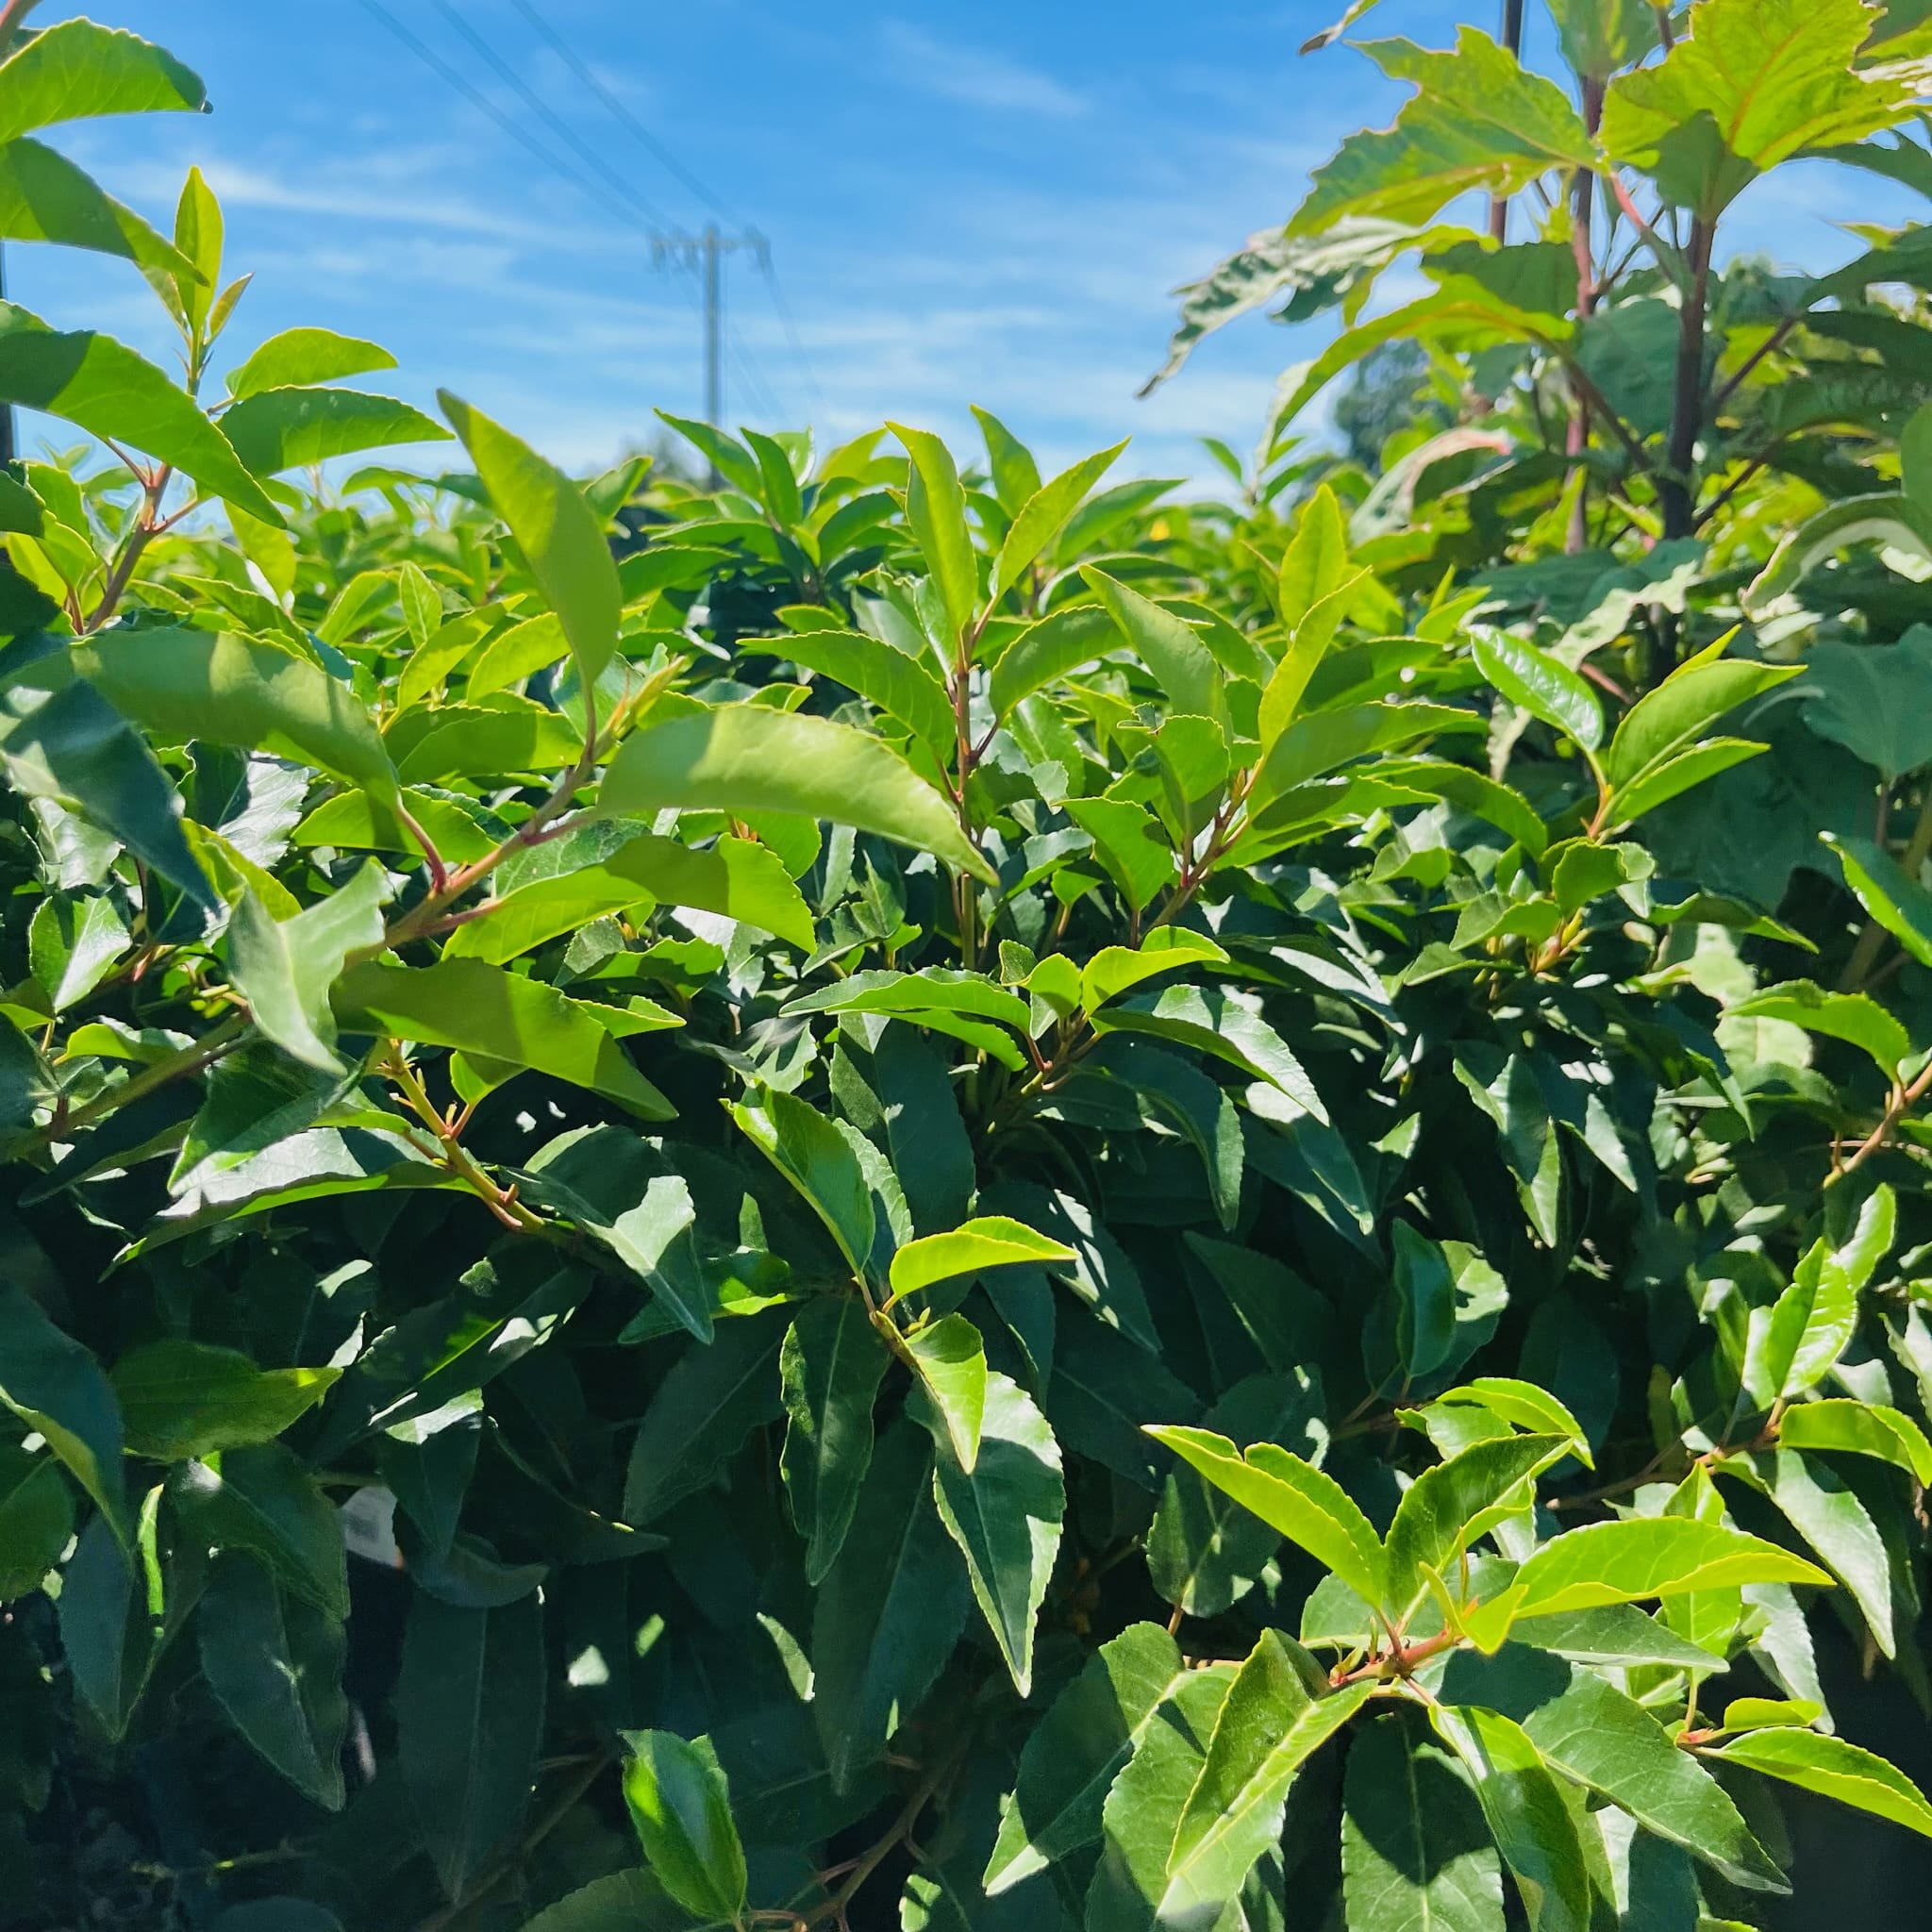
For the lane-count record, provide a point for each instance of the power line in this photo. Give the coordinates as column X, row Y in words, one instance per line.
column 619, row 112
column 763, row 397
column 481, row 101
column 552, row 120
column 791, row 336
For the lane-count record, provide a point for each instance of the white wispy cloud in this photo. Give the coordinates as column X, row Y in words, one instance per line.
column 977, row 79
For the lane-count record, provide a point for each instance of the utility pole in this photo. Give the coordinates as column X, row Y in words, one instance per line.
column 706, row 253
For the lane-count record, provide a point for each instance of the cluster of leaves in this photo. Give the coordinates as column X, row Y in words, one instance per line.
column 910, row 1196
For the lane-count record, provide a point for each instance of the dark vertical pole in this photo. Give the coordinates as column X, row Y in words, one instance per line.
column 1512, row 39
column 714, row 374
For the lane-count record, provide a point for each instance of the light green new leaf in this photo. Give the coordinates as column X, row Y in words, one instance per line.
column 1773, row 77
column 300, row 357
column 678, row 1802
column 1072, row 1756
column 1293, row 1496
column 1308, row 645
column 950, row 1360
column 44, row 197
column 222, row 689
column 1682, row 708
column 1672, row 777
column 277, row 429
column 745, row 759
column 1269, row 1724
column 935, row 515
column 1523, row 1405
column 1649, row 1556
column 284, row 968
column 56, row 1388
column 934, row 989
column 988, row 1241
column 1458, row 1501
column 188, row 1398
column 1543, row 686
column 557, row 530
column 1168, row 646
column 481, row 1010
column 1834, row 1768
column 1479, row 120
column 829, row 1370
column 103, row 387
column 1044, row 515
column 1862, row 1428
column 1533, row 1827
column 734, row 877
column 818, row 1160
column 76, row 69
column 1115, row 970
column 1005, row 1517
column 1886, row 518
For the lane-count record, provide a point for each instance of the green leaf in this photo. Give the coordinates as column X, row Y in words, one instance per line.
column 1827, row 1512
column 469, row 1709
column 890, row 1610
column 560, row 535
column 1682, row 708
column 1116, row 969
column 181, row 1399
column 1627, row 1561
column 1128, row 841
column 1293, row 1496
column 1453, row 1505
column 935, row 515
column 1323, row 741
column 103, row 387
column 1478, row 120
column 626, row 1901
column 277, row 429
column 274, row 1664
column 262, row 1500
column 950, row 1360
column 1072, row 1756
column 1044, row 652
column 1672, row 777
column 1532, row 1825
column 1833, row 1769
column 300, row 357
column 1004, row 1514
column 1043, row 516
column 829, row 1370
column 44, row 197
column 818, row 1160
column 744, row 758
column 76, row 69
column 1860, row 1428
column 1596, row 1735
column 56, row 1388
column 482, row 1009
column 1267, row 1727
column 1864, row 697
column 1622, row 1635
column 1523, row 1405
column 734, row 879
column 1600, row 36
column 935, row 990
column 1898, row 902
column 1220, row 1020
column 678, row 1800
column 1889, row 519
column 220, row 689
column 1849, row 1016
column 1543, row 686
column 1416, row 1855
column 1168, row 646
column 900, row 684
column 36, row 1518
column 703, row 1408
column 1143, row 1809
column 988, row 1241
column 284, row 969
column 1015, row 474
column 72, row 946
column 1773, row 76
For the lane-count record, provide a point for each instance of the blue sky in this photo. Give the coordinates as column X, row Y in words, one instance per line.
column 964, row 205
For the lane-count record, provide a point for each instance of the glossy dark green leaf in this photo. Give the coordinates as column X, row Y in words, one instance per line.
column 36, row 1518
column 57, row 1389
column 830, row 1368
column 182, row 1399
column 262, row 1501
column 469, row 1708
